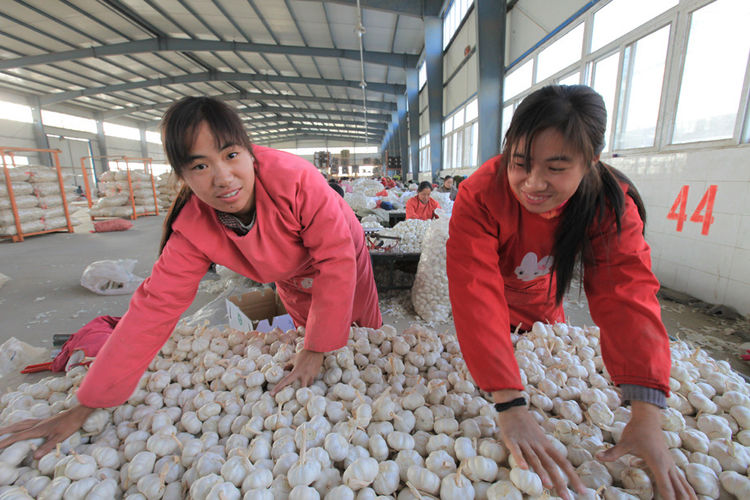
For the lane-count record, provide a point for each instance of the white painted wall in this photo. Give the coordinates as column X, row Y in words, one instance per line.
column 531, row 20
column 714, row 267
column 18, row 135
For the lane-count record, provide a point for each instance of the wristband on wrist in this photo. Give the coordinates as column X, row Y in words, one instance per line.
column 501, row 407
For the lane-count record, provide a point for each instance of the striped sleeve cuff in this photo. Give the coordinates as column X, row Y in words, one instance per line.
column 640, row 393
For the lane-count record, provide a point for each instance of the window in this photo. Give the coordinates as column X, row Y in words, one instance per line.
column 622, row 16
column 716, row 59
column 453, row 17
column 460, row 134
column 447, row 153
column 17, row 161
column 422, row 71
column 121, row 131
column 153, row 137
column 519, row 80
column 643, row 75
column 507, row 115
column 561, row 54
column 70, row 122
column 472, row 110
column 573, row 79
column 424, row 153
column 15, row 112
column 605, row 82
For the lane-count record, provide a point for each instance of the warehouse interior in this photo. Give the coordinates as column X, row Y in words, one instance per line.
column 379, row 96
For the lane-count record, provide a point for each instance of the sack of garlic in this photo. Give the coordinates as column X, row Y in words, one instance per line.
column 429, row 294
column 393, row 415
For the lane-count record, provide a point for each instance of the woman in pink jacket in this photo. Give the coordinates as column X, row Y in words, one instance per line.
column 520, row 225
column 265, row 214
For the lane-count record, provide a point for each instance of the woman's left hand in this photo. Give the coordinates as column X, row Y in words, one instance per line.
column 306, row 367
column 643, row 437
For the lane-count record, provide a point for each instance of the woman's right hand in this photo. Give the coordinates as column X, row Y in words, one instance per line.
column 528, row 445
column 54, row 429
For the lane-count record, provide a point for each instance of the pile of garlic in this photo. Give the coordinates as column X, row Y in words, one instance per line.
column 393, row 415
column 411, row 232
column 429, row 294
column 370, row 222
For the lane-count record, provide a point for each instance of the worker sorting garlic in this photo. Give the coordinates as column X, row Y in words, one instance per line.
column 394, row 415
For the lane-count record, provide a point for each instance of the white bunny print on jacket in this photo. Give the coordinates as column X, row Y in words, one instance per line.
column 531, row 267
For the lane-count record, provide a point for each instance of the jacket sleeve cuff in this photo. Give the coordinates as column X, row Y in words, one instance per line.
column 640, row 393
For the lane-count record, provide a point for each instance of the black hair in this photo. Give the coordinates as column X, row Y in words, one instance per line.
column 179, row 127
column 424, row 185
column 337, row 188
column 579, row 114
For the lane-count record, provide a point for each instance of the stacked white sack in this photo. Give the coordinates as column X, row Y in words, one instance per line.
column 36, row 191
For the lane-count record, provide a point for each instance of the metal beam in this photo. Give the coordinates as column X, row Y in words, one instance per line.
column 420, row 8
column 412, row 94
column 298, row 136
column 433, row 47
column 313, row 130
column 491, row 63
column 241, row 96
column 293, row 122
column 212, row 76
column 161, row 44
column 298, row 114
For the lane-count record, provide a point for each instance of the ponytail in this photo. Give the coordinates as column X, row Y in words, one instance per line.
column 182, row 198
column 598, row 194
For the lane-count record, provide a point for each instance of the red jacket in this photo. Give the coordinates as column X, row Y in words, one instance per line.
column 415, row 209
column 305, row 238
column 498, row 260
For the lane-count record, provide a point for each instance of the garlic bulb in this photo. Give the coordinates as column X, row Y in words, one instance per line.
column 526, row 481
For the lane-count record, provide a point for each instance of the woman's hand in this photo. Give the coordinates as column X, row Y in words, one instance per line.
column 54, row 429
column 526, row 441
column 306, row 367
column 643, row 437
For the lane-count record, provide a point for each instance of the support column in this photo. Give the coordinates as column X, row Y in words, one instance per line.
column 101, row 142
column 433, row 48
column 412, row 94
column 491, row 64
column 403, row 135
column 144, row 144
column 40, row 136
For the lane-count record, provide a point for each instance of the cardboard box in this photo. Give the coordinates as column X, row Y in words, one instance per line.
column 260, row 310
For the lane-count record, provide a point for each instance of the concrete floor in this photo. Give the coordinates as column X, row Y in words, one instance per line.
column 44, row 295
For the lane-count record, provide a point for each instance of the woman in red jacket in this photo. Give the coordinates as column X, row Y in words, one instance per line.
column 265, row 214
column 422, row 206
column 520, row 225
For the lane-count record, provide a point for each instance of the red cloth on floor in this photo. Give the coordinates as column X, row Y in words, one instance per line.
column 90, row 339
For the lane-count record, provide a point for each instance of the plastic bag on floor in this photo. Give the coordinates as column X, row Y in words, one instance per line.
column 111, row 277
column 429, row 295
column 3, row 279
column 15, row 354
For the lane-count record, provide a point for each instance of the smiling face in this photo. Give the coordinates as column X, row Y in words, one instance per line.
column 221, row 175
column 448, row 183
column 424, row 195
column 555, row 171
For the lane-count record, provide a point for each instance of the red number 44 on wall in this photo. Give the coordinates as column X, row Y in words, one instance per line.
column 703, row 212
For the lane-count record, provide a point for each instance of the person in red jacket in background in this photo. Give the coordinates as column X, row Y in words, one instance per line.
column 265, row 214
column 422, row 206
column 520, row 225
